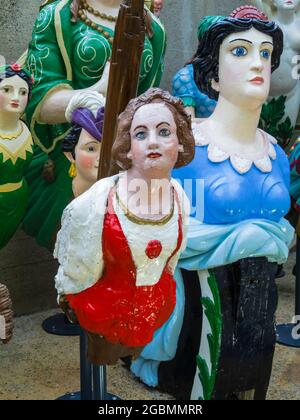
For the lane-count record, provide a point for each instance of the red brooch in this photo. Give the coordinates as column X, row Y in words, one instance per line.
column 153, row 249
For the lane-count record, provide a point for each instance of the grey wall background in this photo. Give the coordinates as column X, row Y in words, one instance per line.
column 16, row 21
column 27, row 269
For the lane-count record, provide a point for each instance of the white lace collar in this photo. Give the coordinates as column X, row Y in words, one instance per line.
column 239, row 163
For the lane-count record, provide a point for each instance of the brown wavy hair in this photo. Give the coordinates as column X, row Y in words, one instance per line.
column 182, row 120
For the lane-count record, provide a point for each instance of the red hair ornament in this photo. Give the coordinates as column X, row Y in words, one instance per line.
column 248, row 12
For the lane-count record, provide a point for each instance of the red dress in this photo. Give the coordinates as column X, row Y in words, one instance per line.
column 115, row 307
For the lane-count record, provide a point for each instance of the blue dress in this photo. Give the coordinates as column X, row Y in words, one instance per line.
column 184, row 87
column 233, row 216
column 231, row 197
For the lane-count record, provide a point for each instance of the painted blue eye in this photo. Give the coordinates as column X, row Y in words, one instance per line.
column 240, row 51
column 265, row 54
column 141, row 135
column 164, row 132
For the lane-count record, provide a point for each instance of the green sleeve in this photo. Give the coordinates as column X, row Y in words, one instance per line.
column 48, row 67
column 158, row 42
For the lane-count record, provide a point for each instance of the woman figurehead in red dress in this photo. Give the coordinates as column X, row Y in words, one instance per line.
column 120, row 240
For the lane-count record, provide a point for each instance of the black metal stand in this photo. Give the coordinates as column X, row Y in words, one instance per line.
column 59, row 324
column 99, row 385
column 289, row 334
column 92, row 379
column 280, row 271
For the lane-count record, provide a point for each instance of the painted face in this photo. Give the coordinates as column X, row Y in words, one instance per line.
column 87, row 153
column 286, row 4
column 157, row 7
column 13, row 95
column 245, row 68
column 154, row 141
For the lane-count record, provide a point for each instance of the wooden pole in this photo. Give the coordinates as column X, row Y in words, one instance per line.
column 124, row 74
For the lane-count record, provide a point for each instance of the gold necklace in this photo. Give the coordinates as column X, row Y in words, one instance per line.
column 83, row 17
column 13, row 136
column 90, row 9
column 140, row 221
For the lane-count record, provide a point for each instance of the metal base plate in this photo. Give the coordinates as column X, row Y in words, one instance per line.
column 75, row 396
column 285, row 335
column 70, row 396
column 59, row 325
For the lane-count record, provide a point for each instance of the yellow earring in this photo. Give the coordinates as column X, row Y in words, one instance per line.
column 72, row 170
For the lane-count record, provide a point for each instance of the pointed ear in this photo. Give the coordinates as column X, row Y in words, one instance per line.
column 69, row 157
column 215, row 85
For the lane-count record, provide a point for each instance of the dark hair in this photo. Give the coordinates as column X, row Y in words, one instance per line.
column 182, row 120
column 9, row 71
column 70, row 141
column 206, row 61
column 203, row 26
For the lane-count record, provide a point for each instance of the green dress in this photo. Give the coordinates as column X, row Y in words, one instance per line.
column 15, row 155
column 66, row 55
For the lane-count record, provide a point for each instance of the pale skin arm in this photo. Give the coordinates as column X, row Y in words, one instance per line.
column 54, row 108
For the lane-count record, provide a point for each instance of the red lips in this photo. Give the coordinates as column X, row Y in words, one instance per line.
column 153, row 155
column 258, row 80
